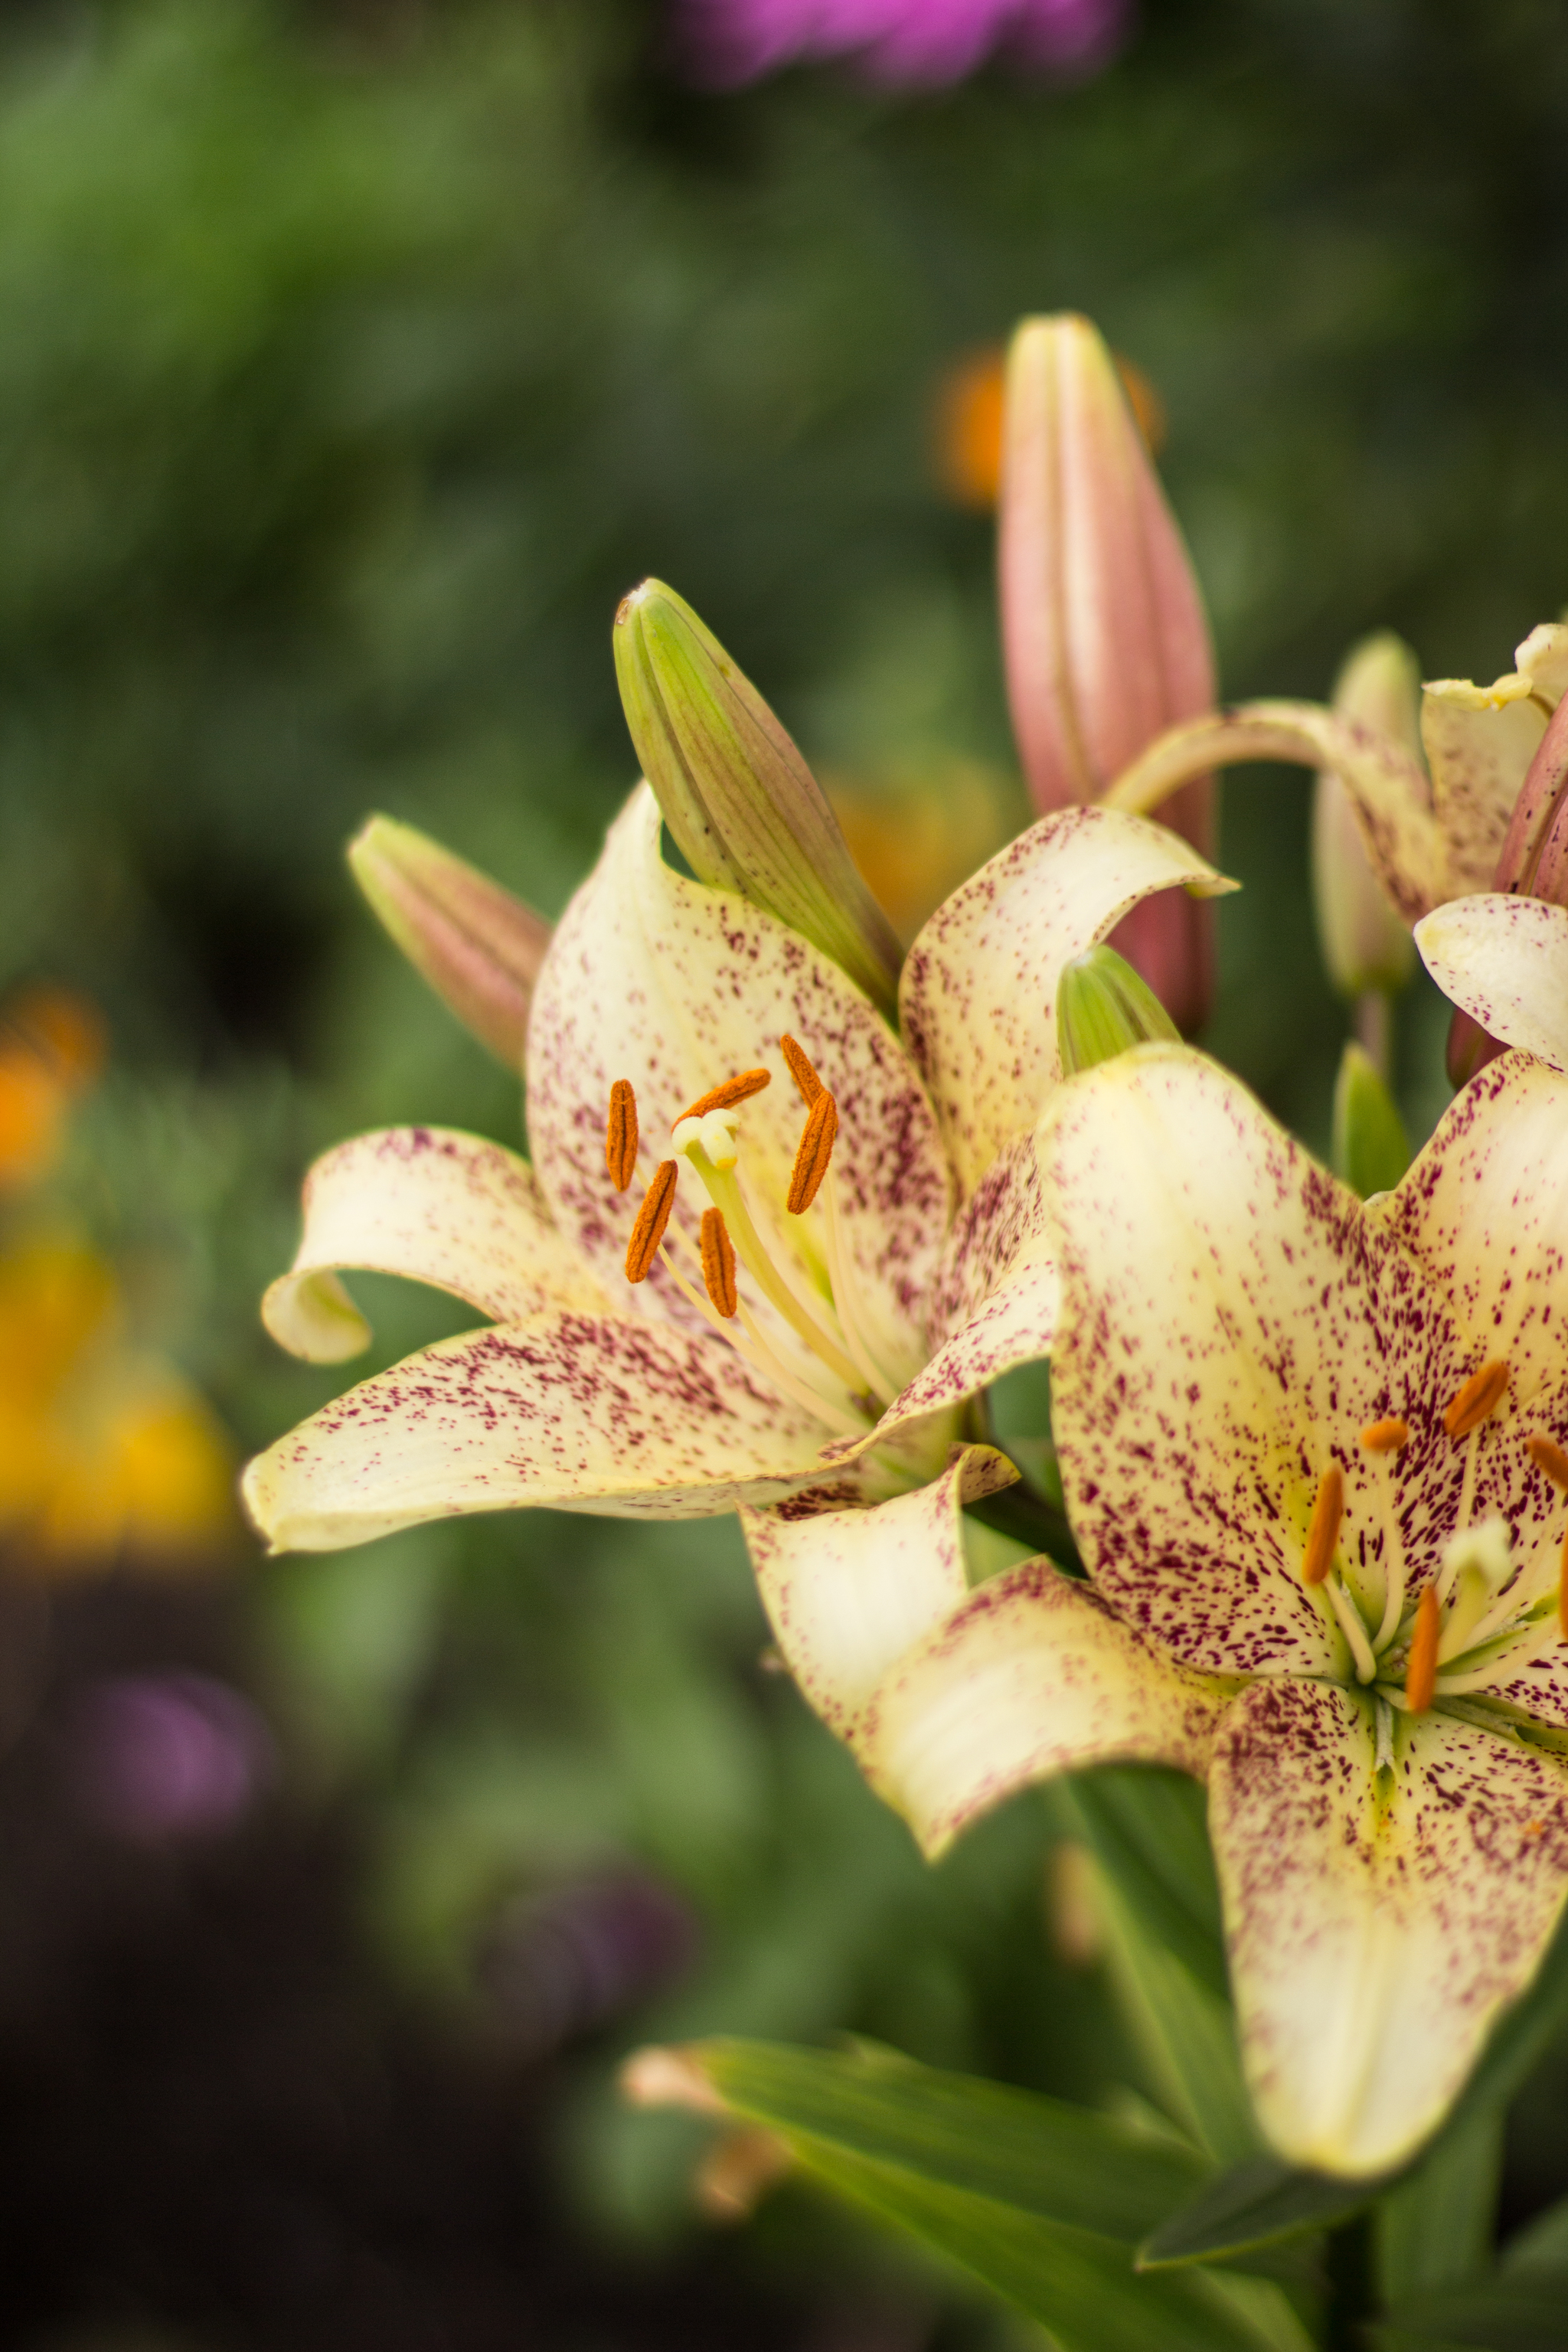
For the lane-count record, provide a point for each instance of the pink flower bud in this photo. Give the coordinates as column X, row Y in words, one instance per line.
column 1103, row 627
column 478, row 948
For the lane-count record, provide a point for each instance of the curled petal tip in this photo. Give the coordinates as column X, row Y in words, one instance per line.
column 477, row 946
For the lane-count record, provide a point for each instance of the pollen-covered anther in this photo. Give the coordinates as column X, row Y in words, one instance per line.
column 652, row 1218
column 621, row 1135
column 725, row 1098
column 1323, row 1527
column 1548, row 1458
column 718, row 1263
column 1421, row 1670
column 801, row 1070
column 813, row 1154
column 1476, row 1399
column 1390, row 1436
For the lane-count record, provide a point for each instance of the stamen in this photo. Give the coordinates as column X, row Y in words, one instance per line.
column 1421, row 1669
column 814, row 1152
column 652, row 1218
column 1385, row 1436
column 847, row 1302
column 1476, row 1399
column 1548, row 1458
column 1323, row 1528
column 801, row 1071
column 732, row 1091
column 759, row 1355
column 621, row 1135
column 1384, row 1761
column 718, row 1263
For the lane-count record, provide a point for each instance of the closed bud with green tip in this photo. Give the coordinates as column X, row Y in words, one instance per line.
column 478, row 947
column 1370, row 1149
column 743, row 808
column 1102, row 1008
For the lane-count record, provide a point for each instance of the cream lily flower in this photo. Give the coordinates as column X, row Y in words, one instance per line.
column 1313, row 1453
column 1430, row 836
column 1504, row 960
column 914, row 1273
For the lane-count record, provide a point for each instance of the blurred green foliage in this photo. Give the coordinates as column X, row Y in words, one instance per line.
column 352, row 365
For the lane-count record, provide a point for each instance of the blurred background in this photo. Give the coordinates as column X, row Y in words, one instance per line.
column 354, row 358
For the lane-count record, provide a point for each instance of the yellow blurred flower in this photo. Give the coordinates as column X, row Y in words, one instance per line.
column 104, row 1451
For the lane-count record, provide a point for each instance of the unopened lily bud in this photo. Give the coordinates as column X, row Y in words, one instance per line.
column 1365, row 946
column 745, row 810
column 1370, row 1149
column 1102, row 623
column 1102, row 1008
column 479, row 949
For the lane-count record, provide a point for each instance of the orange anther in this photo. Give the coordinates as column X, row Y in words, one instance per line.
column 1323, row 1527
column 1548, row 1456
column 1478, row 1399
column 621, row 1135
column 801, row 1071
column 1385, row 1436
column 813, row 1154
column 1421, row 1672
column 725, row 1098
column 719, row 1262
column 652, row 1218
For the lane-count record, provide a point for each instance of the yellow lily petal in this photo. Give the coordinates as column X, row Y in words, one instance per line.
column 1216, row 1346
column 446, row 1208
column 585, row 1412
column 654, row 978
column 1504, row 960
column 1375, row 1929
column 977, row 998
column 1030, row 1676
column 1478, row 740
column 1387, row 785
column 849, row 1590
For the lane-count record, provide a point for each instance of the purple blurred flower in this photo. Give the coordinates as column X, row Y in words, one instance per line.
column 562, row 1961
column 729, row 41
column 157, row 1756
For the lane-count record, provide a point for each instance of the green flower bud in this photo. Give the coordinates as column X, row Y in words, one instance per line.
column 743, row 808
column 1370, row 1149
column 1365, row 945
column 1102, row 1008
column 478, row 948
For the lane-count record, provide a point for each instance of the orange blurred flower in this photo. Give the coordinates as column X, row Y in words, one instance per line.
column 917, row 830
column 52, row 1049
column 968, row 424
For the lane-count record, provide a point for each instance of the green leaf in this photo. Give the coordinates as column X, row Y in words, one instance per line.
column 1434, row 2228
column 1146, row 1830
column 1542, row 2245
column 1078, row 2286
column 1059, row 2162
column 1371, row 1151
column 1528, row 2314
column 1254, row 2203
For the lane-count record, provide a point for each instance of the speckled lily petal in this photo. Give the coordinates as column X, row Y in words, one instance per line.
column 978, row 994
column 1505, row 961
column 654, row 978
column 1031, row 1675
column 1217, row 1345
column 442, row 1208
column 1387, row 786
column 847, row 1592
column 1544, row 659
column 585, row 1412
column 1478, row 740
column 1371, row 1943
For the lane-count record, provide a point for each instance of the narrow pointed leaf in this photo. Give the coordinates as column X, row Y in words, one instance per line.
column 1253, row 2203
column 1434, row 2227
column 1506, row 2315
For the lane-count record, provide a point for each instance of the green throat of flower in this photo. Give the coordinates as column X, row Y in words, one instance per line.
column 1482, row 1618
column 835, row 1371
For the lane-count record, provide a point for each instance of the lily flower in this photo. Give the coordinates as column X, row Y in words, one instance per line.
column 1430, row 836
column 1315, row 1455
column 838, row 1241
